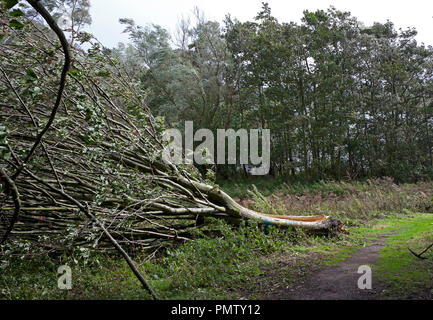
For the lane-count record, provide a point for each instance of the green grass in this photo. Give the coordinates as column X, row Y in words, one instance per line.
column 239, row 188
column 406, row 275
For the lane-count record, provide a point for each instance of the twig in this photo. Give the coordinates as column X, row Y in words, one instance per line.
column 420, row 255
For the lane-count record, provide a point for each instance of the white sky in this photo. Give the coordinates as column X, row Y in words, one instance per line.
column 166, row 13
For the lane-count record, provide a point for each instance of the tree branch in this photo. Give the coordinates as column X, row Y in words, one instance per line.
column 65, row 45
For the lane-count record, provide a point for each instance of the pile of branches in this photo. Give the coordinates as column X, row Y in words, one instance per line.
column 81, row 154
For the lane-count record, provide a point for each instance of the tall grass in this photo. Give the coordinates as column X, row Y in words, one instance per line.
column 350, row 202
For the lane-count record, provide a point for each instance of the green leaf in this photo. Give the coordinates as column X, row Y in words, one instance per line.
column 16, row 13
column 10, row 3
column 16, row 24
column 5, row 155
column 31, row 73
column 76, row 73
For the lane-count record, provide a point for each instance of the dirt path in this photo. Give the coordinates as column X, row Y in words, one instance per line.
column 338, row 282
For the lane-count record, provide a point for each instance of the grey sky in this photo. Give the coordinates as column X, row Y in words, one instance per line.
column 106, row 13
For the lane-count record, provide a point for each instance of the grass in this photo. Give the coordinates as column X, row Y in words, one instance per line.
column 406, row 275
column 247, row 261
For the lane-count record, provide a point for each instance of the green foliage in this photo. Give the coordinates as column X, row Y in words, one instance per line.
column 80, row 11
column 16, row 24
column 10, row 3
column 341, row 101
column 16, row 13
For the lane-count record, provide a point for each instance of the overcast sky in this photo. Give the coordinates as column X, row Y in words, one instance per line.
column 106, row 13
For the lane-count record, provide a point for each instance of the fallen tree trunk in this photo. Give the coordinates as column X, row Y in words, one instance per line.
column 236, row 210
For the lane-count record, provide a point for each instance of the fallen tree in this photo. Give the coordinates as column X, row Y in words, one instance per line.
column 88, row 170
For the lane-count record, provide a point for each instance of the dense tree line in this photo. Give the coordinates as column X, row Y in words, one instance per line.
column 341, row 99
